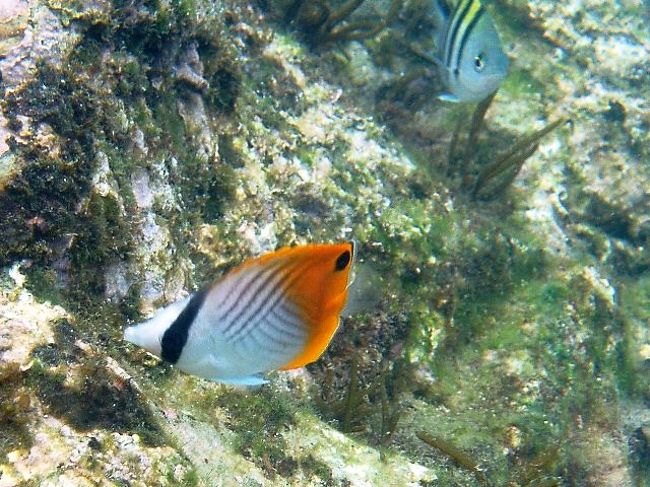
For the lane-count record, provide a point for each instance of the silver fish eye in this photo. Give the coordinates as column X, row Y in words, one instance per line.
column 479, row 63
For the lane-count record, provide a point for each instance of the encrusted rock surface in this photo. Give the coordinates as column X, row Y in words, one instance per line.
column 146, row 148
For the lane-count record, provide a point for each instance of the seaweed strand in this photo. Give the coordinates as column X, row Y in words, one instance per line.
column 326, row 25
column 353, row 397
column 478, row 118
column 342, row 13
column 458, row 456
column 513, row 158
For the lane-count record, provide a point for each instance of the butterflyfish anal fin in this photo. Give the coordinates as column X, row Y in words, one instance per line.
column 448, row 97
column 251, row 380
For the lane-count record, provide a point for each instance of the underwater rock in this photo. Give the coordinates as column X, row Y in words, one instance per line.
column 29, row 31
column 155, row 184
column 13, row 16
column 604, row 83
column 152, row 148
column 37, row 440
column 191, row 107
column 25, row 322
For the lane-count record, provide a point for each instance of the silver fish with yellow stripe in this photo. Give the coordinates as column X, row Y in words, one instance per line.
column 278, row 311
column 469, row 52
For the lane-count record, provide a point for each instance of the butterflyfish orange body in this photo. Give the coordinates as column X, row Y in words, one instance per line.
column 277, row 311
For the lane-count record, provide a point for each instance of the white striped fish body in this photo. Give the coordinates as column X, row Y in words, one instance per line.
column 276, row 312
column 469, row 52
column 245, row 327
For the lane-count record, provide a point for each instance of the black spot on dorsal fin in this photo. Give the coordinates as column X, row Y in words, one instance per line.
column 342, row 261
column 175, row 337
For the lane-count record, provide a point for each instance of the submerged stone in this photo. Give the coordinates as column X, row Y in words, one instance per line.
column 147, row 148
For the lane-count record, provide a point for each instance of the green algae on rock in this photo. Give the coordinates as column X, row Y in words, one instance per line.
column 41, row 440
column 156, row 144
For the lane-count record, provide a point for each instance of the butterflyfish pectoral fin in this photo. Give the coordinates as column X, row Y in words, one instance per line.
column 365, row 291
column 319, row 295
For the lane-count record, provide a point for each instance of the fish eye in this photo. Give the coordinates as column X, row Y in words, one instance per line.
column 479, row 63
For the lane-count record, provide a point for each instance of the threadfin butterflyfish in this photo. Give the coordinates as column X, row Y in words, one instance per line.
column 469, row 52
column 275, row 312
